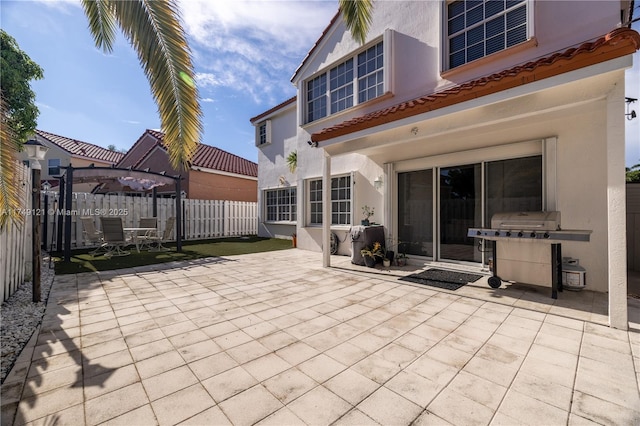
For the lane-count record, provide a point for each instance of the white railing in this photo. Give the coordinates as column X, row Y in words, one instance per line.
column 201, row 219
column 15, row 241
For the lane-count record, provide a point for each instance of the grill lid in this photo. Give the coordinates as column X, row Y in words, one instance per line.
column 545, row 221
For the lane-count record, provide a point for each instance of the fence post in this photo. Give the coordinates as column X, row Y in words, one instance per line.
column 67, row 214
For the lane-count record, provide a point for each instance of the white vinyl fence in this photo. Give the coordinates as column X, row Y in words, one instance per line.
column 15, row 241
column 201, row 219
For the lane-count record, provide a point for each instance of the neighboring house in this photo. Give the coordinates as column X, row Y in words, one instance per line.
column 453, row 111
column 214, row 174
column 64, row 151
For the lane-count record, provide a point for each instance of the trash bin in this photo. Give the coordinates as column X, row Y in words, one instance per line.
column 364, row 236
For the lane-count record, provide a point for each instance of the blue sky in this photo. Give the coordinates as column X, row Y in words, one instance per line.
column 244, row 54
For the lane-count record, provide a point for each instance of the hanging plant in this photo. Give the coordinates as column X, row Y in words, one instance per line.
column 292, row 161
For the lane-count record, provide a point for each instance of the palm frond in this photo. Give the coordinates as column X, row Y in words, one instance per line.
column 9, row 189
column 153, row 29
column 357, row 17
column 102, row 23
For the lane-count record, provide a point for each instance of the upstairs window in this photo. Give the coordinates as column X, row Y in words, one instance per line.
column 363, row 74
column 477, row 28
column 263, row 133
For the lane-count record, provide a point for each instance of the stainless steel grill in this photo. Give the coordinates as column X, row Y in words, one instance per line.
column 532, row 227
column 543, row 226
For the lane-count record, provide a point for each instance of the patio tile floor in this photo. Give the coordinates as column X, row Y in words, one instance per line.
column 249, row 340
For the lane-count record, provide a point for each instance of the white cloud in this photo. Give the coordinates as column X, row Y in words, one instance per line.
column 207, row 100
column 253, row 46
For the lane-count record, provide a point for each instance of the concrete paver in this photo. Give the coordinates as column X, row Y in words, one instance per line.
column 246, row 340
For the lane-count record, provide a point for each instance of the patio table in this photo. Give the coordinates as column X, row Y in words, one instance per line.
column 134, row 233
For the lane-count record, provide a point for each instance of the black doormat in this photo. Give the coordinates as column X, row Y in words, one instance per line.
column 449, row 280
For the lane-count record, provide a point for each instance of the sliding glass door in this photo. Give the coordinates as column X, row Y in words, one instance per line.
column 415, row 212
column 460, row 208
column 461, row 198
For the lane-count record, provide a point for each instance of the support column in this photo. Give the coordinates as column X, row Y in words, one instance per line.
column 616, row 208
column 326, row 210
column 387, row 197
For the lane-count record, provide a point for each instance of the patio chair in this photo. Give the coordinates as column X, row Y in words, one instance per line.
column 165, row 236
column 91, row 234
column 114, row 238
column 143, row 238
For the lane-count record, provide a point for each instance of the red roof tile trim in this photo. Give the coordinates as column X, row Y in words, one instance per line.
column 210, row 157
column 618, row 43
column 83, row 149
column 272, row 110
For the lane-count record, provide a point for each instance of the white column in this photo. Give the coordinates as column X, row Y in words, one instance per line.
column 326, row 210
column 387, row 198
column 616, row 208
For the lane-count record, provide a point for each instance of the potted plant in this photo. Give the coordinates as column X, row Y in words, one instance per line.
column 371, row 255
column 367, row 212
column 402, row 259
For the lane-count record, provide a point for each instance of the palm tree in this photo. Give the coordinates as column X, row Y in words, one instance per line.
column 153, row 29
column 357, row 17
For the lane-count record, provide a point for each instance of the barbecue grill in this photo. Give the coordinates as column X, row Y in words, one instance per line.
column 530, row 227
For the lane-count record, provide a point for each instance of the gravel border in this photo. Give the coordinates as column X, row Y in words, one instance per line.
column 20, row 317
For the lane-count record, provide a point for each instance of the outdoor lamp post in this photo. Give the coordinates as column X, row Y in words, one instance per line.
column 36, row 152
column 46, row 186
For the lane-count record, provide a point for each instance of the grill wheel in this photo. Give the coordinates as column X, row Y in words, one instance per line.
column 495, row 282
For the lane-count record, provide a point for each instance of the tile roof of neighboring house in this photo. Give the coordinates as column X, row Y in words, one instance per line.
column 83, row 149
column 209, row 157
column 272, row 110
column 617, row 43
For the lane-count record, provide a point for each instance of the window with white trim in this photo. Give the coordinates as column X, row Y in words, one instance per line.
column 478, row 28
column 281, row 205
column 340, row 201
column 363, row 73
column 263, row 133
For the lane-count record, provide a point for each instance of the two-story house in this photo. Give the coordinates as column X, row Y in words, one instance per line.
column 64, row 151
column 214, row 174
column 453, row 111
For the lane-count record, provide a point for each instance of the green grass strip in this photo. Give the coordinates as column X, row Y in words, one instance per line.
column 82, row 261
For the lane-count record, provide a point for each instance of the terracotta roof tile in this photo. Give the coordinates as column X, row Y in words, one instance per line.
column 617, row 43
column 83, row 149
column 210, row 157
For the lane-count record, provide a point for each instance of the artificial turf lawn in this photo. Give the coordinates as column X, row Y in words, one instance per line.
column 82, row 261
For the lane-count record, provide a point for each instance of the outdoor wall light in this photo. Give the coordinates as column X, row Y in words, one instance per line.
column 377, row 183
column 36, row 152
column 313, row 144
column 630, row 114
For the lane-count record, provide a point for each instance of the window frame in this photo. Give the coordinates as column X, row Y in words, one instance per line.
column 446, row 37
column 386, row 40
column 292, row 205
column 312, row 214
column 58, row 167
column 266, row 125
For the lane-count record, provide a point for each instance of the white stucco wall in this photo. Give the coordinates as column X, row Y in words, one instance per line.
column 573, row 109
